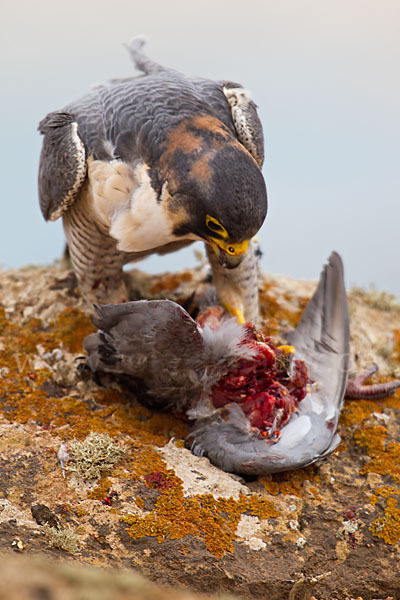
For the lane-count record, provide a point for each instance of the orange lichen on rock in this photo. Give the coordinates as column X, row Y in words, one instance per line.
column 383, row 492
column 396, row 345
column 356, row 411
column 170, row 282
column 387, row 527
column 275, row 313
column 290, row 482
column 393, row 401
column 385, row 456
column 212, row 520
column 29, row 394
column 373, row 438
column 71, row 327
column 100, row 491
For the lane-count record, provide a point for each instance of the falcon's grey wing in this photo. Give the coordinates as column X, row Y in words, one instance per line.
column 322, row 341
column 153, row 340
column 246, row 120
column 62, row 168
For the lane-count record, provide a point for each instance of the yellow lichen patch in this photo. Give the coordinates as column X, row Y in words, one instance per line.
column 19, row 343
column 170, row 282
column 383, row 492
column 396, row 345
column 23, row 395
column 272, row 487
column 386, row 463
column 356, row 411
column 71, row 327
column 393, row 401
column 373, row 438
column 212, row 520
column 100, row 491
column 290, row 482
column 139, row 502
column 147, row 465
column 387, row 527
column 275, row 313
column 385, row 457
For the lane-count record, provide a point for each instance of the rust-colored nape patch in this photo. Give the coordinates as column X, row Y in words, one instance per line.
column 201, row 169
column 209, row 123
column 189, row 148
column 188, row 138
column 181, row 138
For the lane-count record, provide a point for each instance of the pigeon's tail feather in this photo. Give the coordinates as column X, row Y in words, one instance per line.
column 141, row 61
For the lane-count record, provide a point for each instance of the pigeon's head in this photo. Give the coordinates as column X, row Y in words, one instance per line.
column 213, row 188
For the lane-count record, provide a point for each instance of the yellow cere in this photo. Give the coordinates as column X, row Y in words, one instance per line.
column 230, row 248
column 233, row 249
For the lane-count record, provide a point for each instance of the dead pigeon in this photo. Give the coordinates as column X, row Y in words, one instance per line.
column 255, row 408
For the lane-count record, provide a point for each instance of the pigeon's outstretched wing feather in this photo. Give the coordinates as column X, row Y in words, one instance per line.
column 62, row 168
column 322, row 338
column 322, row 341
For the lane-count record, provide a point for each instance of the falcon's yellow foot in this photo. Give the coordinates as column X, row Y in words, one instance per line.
column 235, row 312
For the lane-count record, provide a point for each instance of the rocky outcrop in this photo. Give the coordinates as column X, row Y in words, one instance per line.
column 328, row 531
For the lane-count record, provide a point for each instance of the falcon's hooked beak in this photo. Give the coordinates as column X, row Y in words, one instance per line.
column 229, row 255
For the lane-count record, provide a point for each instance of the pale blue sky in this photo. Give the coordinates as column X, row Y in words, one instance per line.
column 324, row 74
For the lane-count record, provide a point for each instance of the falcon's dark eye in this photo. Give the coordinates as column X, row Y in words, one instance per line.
column 215, row 226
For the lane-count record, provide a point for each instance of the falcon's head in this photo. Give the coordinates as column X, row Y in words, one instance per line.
column 211, row 186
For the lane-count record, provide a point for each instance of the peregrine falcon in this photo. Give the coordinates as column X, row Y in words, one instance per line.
column 150, row 164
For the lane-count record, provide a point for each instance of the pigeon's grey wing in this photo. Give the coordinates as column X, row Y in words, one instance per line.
column 227, row 440
column 246, row 120
column 155, row 340
column 62, row 168
column 322, row 341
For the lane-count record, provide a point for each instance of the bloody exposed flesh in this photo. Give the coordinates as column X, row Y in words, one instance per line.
column 268, row 387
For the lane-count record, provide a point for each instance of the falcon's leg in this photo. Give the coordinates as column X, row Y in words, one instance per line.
column 356, row 389
column 94, row 256
column 237, row 288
